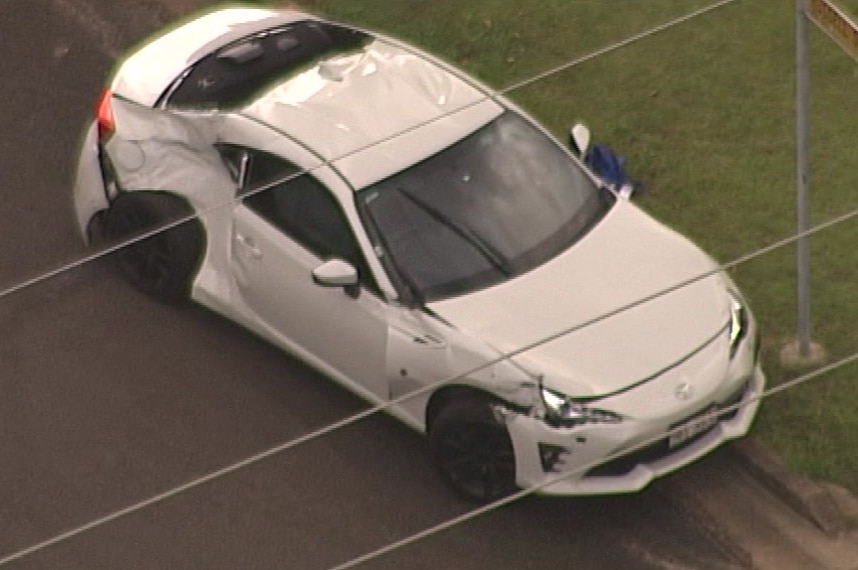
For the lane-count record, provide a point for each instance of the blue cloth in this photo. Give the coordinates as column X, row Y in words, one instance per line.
column 608, row 165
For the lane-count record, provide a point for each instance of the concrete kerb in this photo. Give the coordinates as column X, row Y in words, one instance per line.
column 809, row 499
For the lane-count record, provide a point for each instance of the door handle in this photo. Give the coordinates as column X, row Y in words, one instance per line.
column 250, row 245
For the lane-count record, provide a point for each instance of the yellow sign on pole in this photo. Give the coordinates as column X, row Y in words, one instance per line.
column 836, row 23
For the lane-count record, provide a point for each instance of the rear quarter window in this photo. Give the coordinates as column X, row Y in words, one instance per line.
column 232, row 75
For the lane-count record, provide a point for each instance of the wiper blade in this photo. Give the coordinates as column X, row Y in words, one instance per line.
column 404, row 279
column 467, row 234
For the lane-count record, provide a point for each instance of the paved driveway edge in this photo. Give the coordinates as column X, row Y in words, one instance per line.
column 807, row 498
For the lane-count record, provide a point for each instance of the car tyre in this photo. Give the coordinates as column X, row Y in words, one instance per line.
column 473, row 451
column 164, row 264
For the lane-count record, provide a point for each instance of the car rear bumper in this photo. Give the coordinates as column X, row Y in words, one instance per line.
column 90, row 196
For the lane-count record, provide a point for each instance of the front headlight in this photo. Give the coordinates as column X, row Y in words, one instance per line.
column 738, row 327
column 563, row 411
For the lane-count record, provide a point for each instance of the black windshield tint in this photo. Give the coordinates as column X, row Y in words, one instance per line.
column 494, row 205
column 234, row 74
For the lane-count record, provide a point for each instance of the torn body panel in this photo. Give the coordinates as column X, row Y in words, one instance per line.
column 89, row 193
column 160, row 151
column 153, row 150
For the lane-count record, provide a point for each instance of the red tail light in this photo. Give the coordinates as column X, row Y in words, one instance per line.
column 104, row 116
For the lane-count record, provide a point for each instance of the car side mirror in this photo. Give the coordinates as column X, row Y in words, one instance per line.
column 337, row 273
column 579, row 140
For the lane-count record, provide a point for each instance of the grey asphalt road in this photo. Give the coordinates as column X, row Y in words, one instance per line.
column 107, row 398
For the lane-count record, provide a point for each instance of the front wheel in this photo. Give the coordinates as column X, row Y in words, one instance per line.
column 473, row 451
column 163, row 264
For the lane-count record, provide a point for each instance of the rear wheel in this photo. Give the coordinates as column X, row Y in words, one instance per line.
column 473, row 451
column 163, row 264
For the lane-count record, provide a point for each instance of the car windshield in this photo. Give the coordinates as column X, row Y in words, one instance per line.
column 496, row 204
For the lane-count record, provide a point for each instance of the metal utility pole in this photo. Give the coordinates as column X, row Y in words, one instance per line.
column 802, row 207
column 840, row 26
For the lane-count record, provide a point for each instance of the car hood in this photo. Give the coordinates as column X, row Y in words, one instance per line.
column 627, row 257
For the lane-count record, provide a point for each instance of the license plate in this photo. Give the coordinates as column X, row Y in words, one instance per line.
column 693, row 428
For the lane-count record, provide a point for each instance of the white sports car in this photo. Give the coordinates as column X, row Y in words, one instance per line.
column 397, row 225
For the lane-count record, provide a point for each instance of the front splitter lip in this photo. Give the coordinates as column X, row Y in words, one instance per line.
column 575, row 482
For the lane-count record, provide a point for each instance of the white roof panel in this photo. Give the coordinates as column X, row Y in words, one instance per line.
column 342, row 108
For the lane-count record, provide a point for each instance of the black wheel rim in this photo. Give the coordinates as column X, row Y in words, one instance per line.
column 478, row 460
column 145, row 262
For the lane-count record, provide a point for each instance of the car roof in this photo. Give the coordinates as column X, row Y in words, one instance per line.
column 376, row 111
column 370, row 112
column 144, row 75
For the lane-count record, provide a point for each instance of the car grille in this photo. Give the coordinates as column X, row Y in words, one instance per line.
column 625, row 464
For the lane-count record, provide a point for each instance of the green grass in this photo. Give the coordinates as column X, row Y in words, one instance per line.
column 704, row 113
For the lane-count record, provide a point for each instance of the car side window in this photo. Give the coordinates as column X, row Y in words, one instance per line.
column 236, row 160
column 233, row 74
column 253, row 169
column 264, row 168
column 303, row 208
